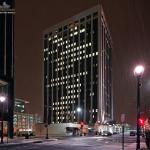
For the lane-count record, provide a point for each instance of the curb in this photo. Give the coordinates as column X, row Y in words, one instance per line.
column 18, row 144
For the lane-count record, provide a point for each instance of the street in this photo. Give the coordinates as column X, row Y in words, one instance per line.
column 76, row 143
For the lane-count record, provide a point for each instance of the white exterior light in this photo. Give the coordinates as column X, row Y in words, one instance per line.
column 78, row 109
column 2, row 99
column 139, row 70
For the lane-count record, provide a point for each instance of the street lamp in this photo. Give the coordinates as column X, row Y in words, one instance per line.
column 79, row 110
column 2, row 100
column 138, row 72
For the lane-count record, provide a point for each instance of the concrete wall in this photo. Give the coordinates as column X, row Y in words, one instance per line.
column 54, row 129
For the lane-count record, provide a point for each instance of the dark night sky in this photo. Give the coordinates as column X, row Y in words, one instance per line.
column 129, row 25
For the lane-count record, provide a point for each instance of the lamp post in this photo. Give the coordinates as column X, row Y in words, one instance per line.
column 2, row 100
column 47, row 122
column 138, row 72
column 79, row 110
column 27, row 118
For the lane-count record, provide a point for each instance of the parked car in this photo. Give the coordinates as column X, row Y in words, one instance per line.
column 106, row 133
column 115, row 133
column 132, row 133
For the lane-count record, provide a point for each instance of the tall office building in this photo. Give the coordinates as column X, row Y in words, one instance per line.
column 77, row 69
column 7, row 61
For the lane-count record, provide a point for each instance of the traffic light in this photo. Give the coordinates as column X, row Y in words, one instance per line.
column 81, row 124
column 141, row 122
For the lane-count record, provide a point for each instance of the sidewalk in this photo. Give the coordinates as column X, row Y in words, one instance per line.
column 128, row 146
column 21, row 141
column 132, row 146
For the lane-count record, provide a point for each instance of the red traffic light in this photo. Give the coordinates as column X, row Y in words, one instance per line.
column 141, row 121
column 81, row 124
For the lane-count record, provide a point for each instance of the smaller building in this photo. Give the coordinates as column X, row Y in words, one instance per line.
column 23, row 120
column 19, row 105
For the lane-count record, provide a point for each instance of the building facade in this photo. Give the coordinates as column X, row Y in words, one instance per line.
column 7, row 60
column 77, row 70
column 23, row 120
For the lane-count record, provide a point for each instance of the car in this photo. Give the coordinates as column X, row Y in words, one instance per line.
column 132, row 133
column 106, row 133
column 115, row 133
